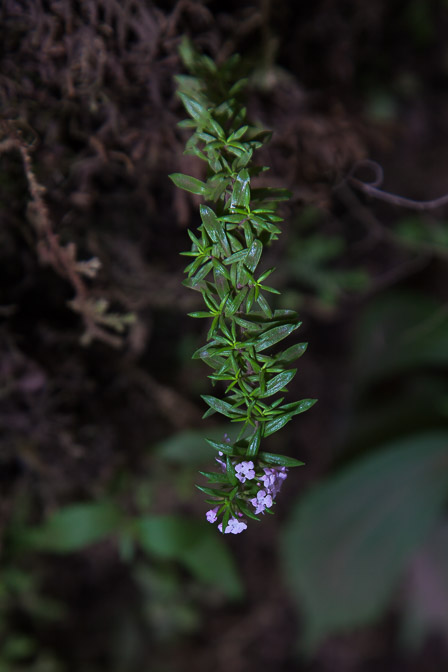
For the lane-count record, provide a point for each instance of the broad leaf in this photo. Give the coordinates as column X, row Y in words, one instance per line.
column 75, row 527
column 193, row 544
column 349, row 540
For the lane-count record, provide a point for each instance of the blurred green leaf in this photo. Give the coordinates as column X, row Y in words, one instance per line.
column 17, row 647
column 381, row 105
column 415, row 230
column 194, row 544
column 350, row 538
column 167, row 537
column 74, row 527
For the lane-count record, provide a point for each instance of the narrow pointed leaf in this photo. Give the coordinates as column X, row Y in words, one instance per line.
column 253, row 255
column 195, row 109
column 241, row 191
column 214, row 477
column 278, row 383
column 276, row 424
column 254, row 444
column 275, row 335
column 280, row 460
column 221, row 406
column 214, row 228
column 292, row 353
column 189, row 183
column 299, row 406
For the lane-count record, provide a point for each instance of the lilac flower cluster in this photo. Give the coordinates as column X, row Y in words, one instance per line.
column 273, row 479
column 234, row 526
column 245, row 471
column 270, row 478
column 261, row 502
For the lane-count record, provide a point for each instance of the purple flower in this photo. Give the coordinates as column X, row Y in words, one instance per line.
column 245, row 471
column 234, row 526
column 211, row 515
column 262, row 501
column 273, row 479
column 221, row 463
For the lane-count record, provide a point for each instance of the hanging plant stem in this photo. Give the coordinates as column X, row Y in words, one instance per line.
column 237, row 223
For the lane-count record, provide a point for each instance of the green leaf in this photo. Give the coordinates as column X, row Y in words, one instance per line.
column 200, row 313
column 231, row 471
column 166, row 537
column 189, row 183
column 221, row 406
column 264, row 305
column 278, row 383
column 253, row 255
column 280, row 460
column 273, row 336
column 213, row 492
column 214, row 477
column 221, row 281
column 225, row 448
column 195, row 109
column 201, row 274
column 75, row 527
column 217, row 129
column 241, row 191
column 237, row 256
column 297, row 407
column 214, row 228
column 194, row 544
column 242, row 505
column 350, row 539
column 234, row 305
column 225, row 520
column 276, row 424
column 292, row 353
column 212, row 563
column 254, row 443
column 237, row 135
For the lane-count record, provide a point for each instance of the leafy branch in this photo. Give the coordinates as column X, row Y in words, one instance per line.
column 237, row 223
